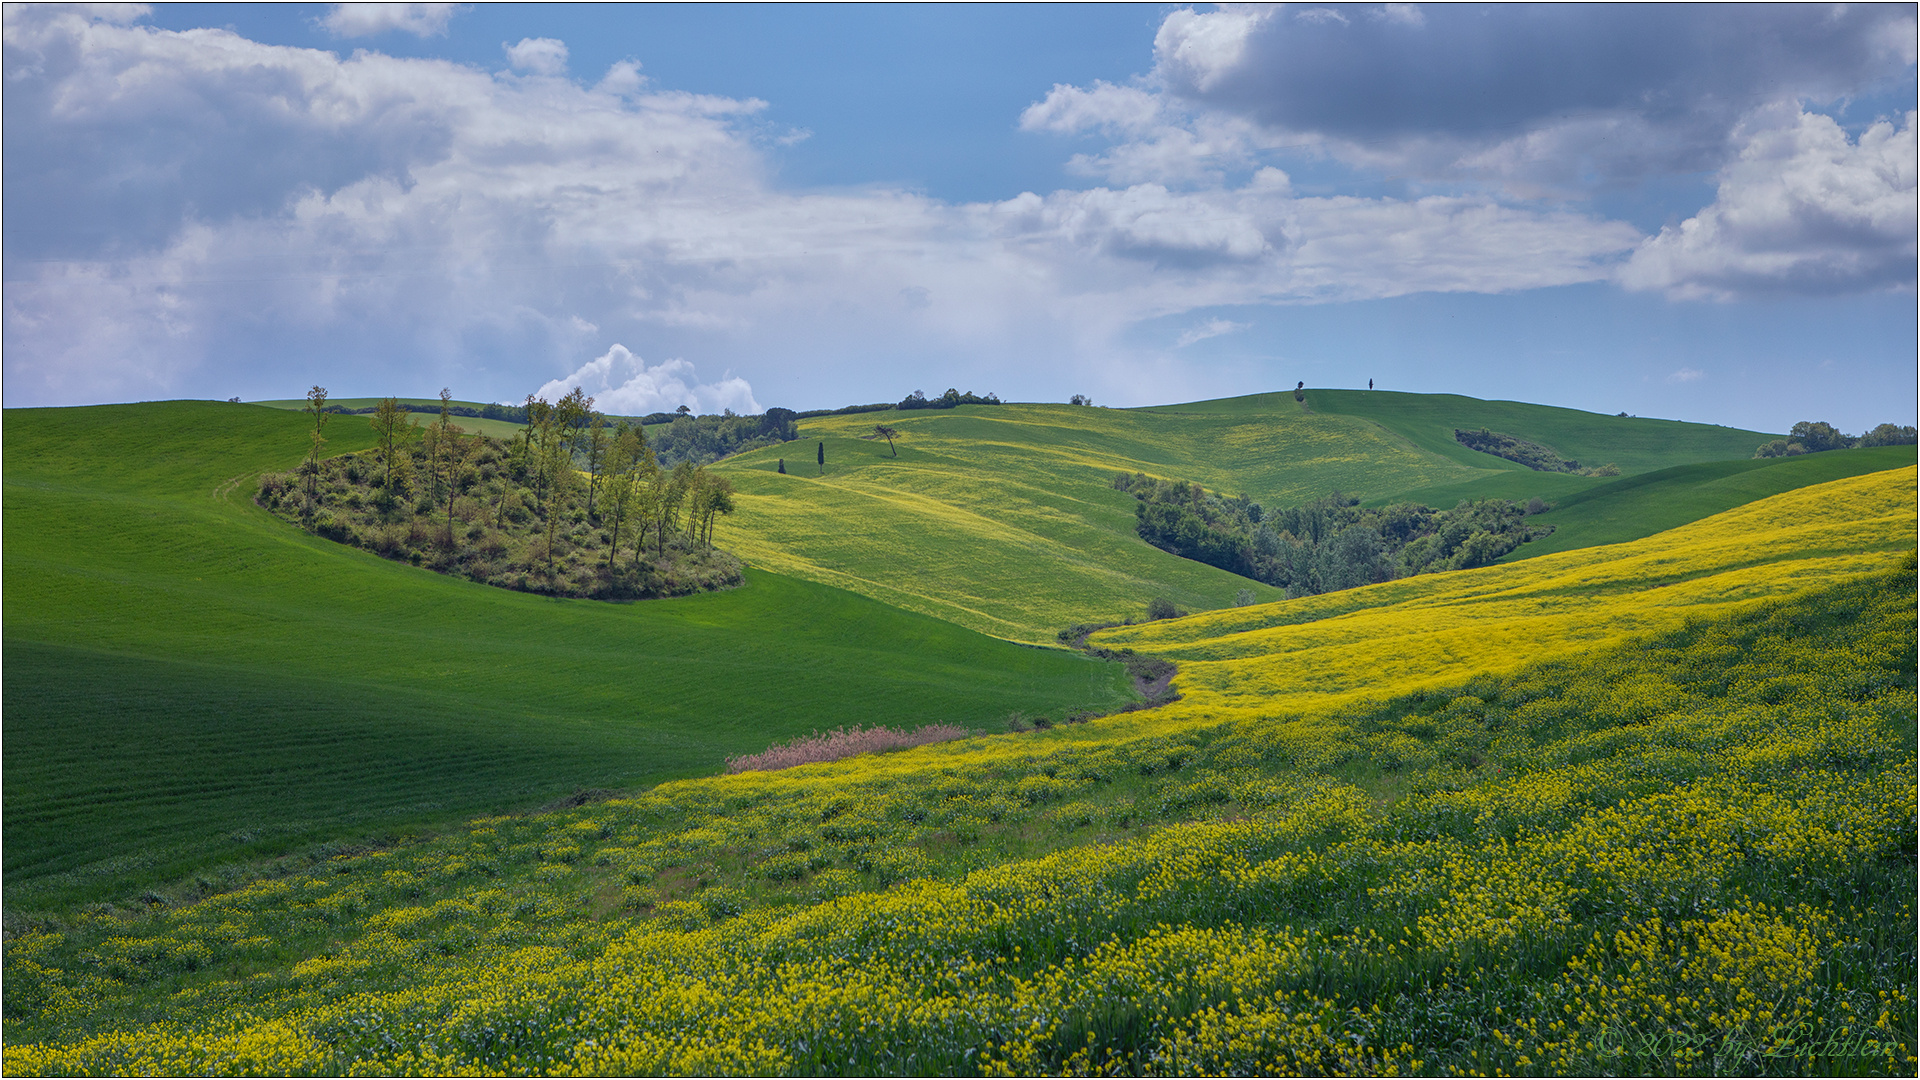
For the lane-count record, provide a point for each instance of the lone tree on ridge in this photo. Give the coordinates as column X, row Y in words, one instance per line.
column 887, row 433
column 317, row 405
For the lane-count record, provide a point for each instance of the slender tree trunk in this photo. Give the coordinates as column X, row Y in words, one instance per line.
column 553, row 522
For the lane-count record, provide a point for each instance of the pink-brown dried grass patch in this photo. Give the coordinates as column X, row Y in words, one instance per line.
column 840, row 743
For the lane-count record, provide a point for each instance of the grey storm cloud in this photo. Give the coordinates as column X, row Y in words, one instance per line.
column 1476, row 72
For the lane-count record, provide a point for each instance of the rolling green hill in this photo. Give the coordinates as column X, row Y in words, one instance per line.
column 1632, row 507
column 173, row 646
column 1386, row 830
column 1636, row 444
column 1669, row 851
column 1002, row 518
column 480, row 424
column 190, row 680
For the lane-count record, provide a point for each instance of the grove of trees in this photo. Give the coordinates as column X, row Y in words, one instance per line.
column 1817, row 436
column 569, row 506
column 948, row 400
column 703, row 440
column 1326, row 545
column 1531, row 454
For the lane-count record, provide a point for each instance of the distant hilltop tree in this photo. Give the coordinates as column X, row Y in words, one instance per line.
column 1079, row 399
column 317, row 407
column 1817, row 436
column 919, row 400
column 1890, row 435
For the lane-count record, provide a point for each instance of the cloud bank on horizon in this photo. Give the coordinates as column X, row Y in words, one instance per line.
column 192, row 210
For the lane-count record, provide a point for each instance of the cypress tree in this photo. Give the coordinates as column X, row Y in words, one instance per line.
column 822, row 455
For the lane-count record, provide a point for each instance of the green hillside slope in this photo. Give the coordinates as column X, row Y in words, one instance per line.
column 1685, row 852
column 189, row 679
column 1631, row 507
column 1636, row 444
column 497, row 428
column 1003, row 518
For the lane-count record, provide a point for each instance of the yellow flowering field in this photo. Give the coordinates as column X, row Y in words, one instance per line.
column 1440, row 628
column 1684, row 843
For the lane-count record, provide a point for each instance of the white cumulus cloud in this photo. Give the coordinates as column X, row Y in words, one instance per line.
column 181, row 202
column 1205, row 47
column 544, row 56
column 366, row 20
column 1071, row 110
column 1803, row 209
column 622, row 384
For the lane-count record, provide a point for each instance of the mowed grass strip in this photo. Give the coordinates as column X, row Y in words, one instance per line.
column 187, row 675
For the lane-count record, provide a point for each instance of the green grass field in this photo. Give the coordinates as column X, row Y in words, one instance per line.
column 297, row 404
column 1636, row 444
column 174, row 646
column 191, row 680
column 1688, row 853
column 501, row 429
column 1644, row 809
column 1632, row 507
column 1002, row 518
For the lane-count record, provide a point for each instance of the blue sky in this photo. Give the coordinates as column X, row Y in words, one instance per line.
column 1697, row 212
